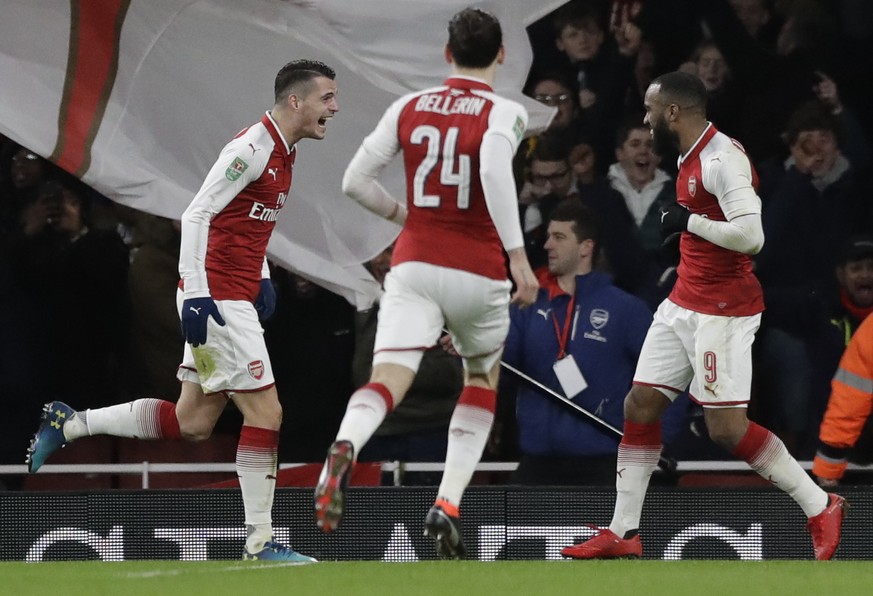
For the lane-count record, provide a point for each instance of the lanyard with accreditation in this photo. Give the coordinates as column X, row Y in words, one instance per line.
column 565, row 367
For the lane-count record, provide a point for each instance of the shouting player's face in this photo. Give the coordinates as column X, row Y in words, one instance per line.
column 317, row 107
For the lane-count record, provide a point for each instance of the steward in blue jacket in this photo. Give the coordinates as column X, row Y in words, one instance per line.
column 602, row 328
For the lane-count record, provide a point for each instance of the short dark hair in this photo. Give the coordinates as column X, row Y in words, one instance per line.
column 551, row 146
column 628, row 124
column 682, row 88
column 299, row 72
column 577, row 14
column 812, row 115
column 475, row 38
column 585, row 224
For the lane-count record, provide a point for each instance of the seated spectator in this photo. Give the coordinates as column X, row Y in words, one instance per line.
column 848, row 409
column 581, row 338
column 831, row 316
column 417, row 429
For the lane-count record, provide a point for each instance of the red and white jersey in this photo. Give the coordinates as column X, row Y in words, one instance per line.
column 440, row 132
column 711, row 279
column 226, row 228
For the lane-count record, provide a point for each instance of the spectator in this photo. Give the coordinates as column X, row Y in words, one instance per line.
column 774, row 83
column 602, row 66
column 831, row 317
column 643, row 186
column 815, row 194
column 548, row 180
column 27, row 171
column 77, row 277
column 848, row 409
column 759, row 20
column 417, row 429
column 586, row 324
column 725, row 101
column 554, row 89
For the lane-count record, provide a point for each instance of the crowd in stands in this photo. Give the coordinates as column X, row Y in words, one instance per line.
column 87, row 286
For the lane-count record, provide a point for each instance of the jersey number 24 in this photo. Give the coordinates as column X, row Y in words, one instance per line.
column 448, row 176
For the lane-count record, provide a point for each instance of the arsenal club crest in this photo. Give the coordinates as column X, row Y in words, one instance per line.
column 598, row 318
column 256, row 369
column 692, row 185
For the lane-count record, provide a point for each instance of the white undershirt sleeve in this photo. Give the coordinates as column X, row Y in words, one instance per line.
column 498, row 185
column 376, row 151
column 214, row 195
column 506, row 125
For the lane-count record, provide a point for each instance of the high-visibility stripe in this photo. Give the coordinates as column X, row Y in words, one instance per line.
column 854, row 381
column 92, row 64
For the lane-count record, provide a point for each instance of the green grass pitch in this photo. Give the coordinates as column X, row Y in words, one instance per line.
column 465, row 578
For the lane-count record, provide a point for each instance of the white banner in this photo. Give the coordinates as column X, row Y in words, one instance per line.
column 138, row 97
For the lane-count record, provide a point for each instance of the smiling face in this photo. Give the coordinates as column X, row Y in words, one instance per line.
column 637, row 157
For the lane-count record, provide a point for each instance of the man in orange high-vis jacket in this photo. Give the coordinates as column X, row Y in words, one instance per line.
column 848, row 409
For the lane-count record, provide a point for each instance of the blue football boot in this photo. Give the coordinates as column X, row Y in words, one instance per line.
column 49, row 436
column 273, row 551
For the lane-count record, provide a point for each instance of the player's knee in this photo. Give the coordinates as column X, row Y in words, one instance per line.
column 725, row 436
column 194, row 430
column 195, row 435
column 644, row 405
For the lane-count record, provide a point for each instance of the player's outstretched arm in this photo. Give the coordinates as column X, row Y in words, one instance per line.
column 526, row 284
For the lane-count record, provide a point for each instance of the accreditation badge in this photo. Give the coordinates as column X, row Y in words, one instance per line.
column 569, row 376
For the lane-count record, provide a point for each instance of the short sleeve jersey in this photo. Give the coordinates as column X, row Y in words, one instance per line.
column 440, row 132
column 711, row 279
column 236, row 210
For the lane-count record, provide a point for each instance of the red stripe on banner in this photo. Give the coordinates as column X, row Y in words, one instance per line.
column 95, row 30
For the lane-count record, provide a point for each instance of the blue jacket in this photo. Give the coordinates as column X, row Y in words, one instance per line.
column 607, row 333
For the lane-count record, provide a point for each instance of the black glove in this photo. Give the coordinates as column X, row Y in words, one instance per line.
column 195, row 316
column 265, row 305
column 674, row 220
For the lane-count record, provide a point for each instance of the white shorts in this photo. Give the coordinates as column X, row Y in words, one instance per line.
column 234, row 357
column 709, row 354
column 420, row 299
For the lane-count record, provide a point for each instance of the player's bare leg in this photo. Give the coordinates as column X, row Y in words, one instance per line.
column 257, row 462
column 365, row 411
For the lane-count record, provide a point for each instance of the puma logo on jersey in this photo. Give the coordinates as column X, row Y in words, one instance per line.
column 196, row 311
column 544, row 313
column 254, row 149
column 272, row 172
